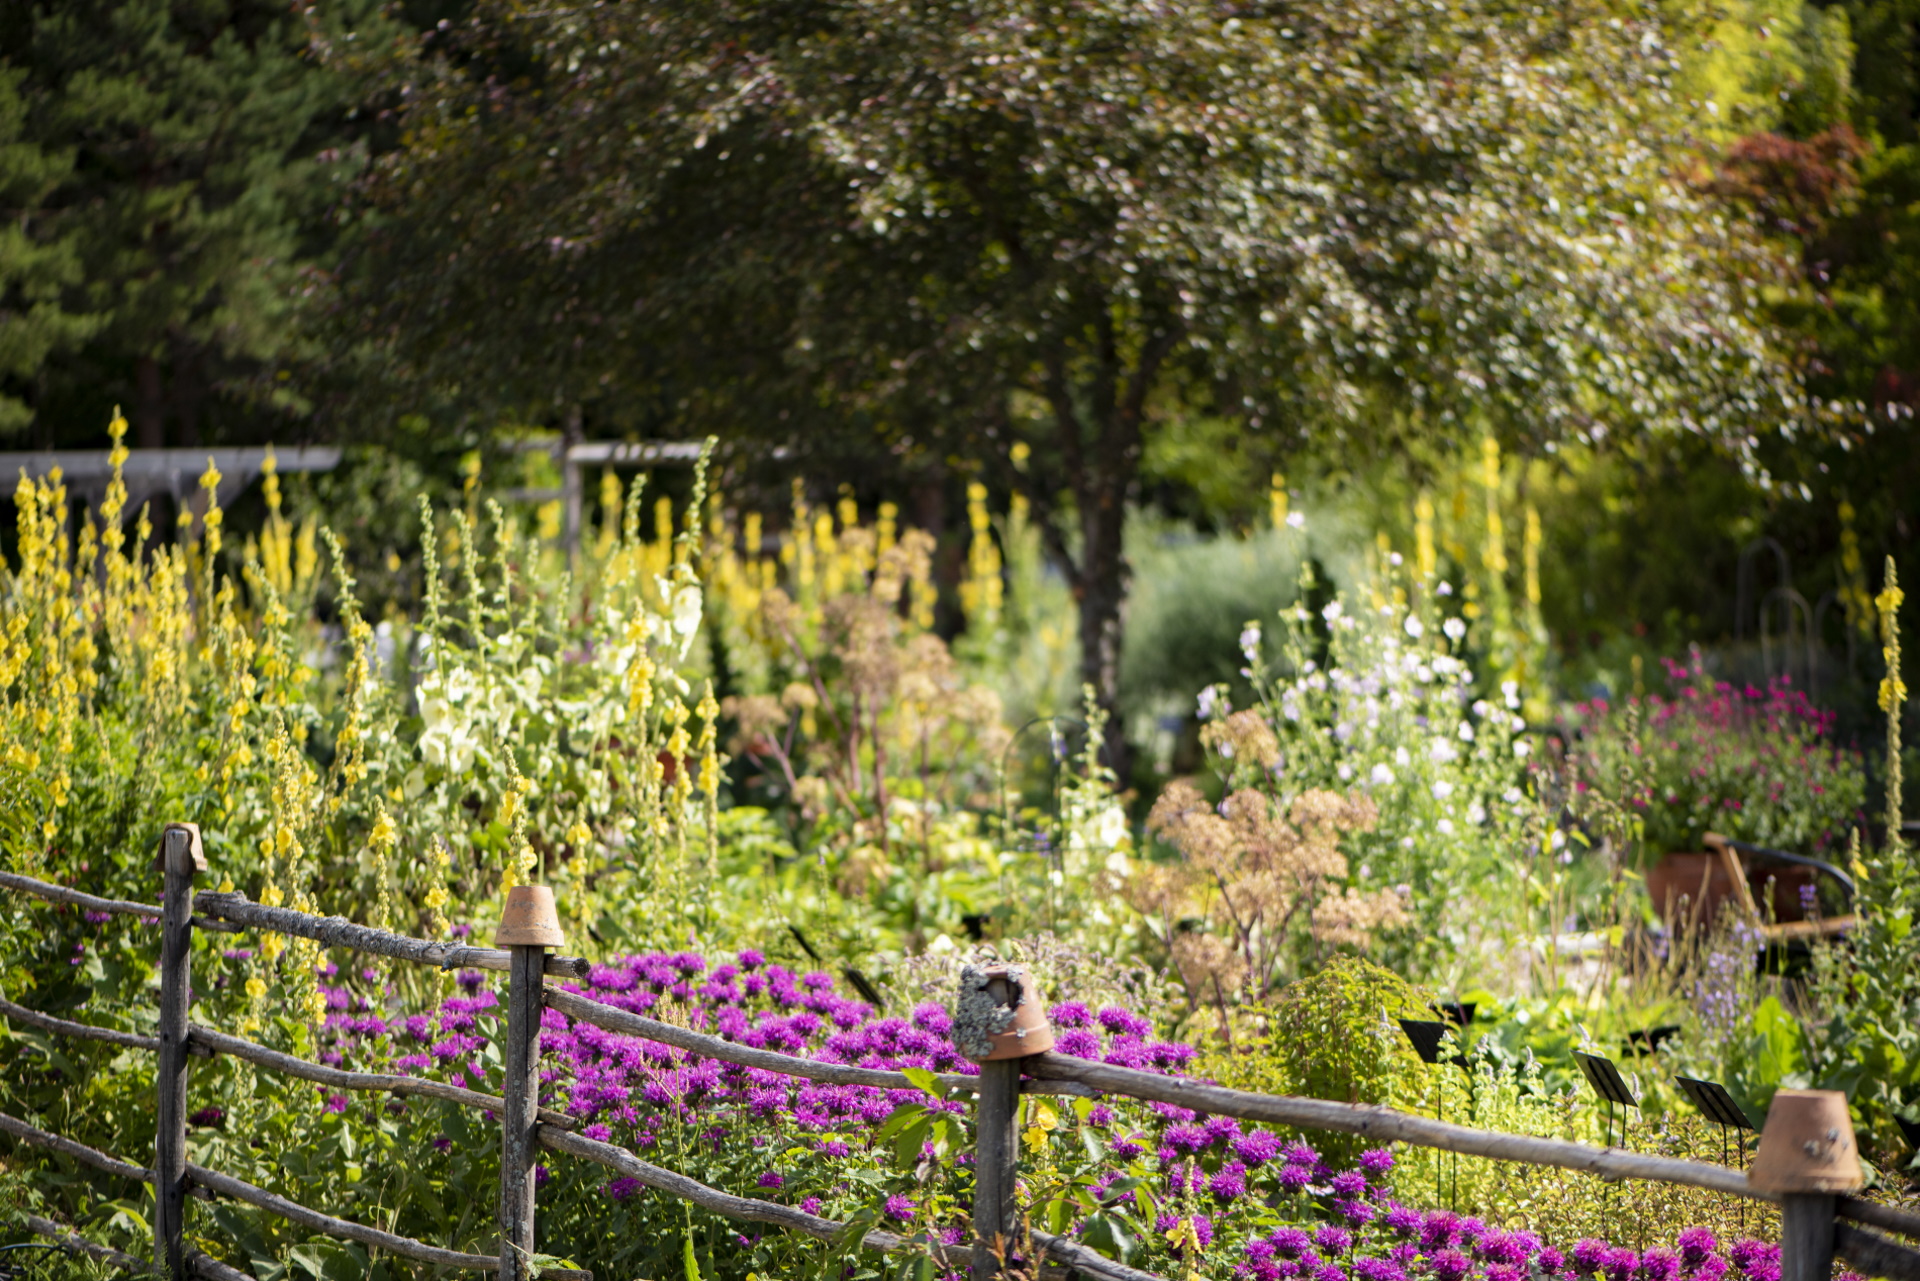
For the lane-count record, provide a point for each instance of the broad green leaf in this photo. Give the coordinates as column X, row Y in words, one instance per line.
column 928, row 1081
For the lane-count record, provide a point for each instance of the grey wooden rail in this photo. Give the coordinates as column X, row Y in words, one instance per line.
column 199, row 1264
column 77, row 1151
column 624, row 1162
column 83, row 1031
column 609, row 1019
column 406, row 1247
column 341, row 1079
column 338, row 931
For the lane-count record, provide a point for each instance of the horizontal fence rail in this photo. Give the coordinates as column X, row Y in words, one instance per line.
column 148, row 912
column 342, row 1079
column 405, row 1247
column 1050, row 1073
column 609, row 1019
column 338, row 931
column 201, row 1265
column 1387, row 1125
column 77, row 1151
column 80, row 1031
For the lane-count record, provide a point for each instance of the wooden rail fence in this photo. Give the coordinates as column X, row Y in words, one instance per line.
column 1818, row 1228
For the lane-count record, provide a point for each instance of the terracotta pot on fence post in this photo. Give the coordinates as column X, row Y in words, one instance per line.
column 1807, row 1157
column 529, row 925
column 997, row 1021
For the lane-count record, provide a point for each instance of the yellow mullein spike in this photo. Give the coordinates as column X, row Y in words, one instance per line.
column 1425, row 561
column 1495, row 554
column 980, row 589
column 306, row 554
column 1893, row 698
column 1530, row 554
column 1854, row 594
column 1277, row 500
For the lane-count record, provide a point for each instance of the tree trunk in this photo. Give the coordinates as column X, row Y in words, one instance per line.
column 1099, row 424
column 149, row 405
column 189, row 388
column 1102, row 600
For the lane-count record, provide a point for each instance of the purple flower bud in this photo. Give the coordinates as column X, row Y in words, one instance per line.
column 1378, row 1270
column 1589, row 1255
column 1290, row 1243
column 1349, row 1183
column 1331, row 1240
column 1357, row 1213
column 1660, row 1265
column 1620, row 1264
column 1376, row 1162
column 1402, row 1221
column 1230, row 1184
column 1257, row 1148
column 1696, row 1244
column 1070, row 1014
column 1221, row 1128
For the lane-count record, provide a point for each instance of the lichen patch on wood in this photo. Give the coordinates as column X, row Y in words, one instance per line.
column 978, row 1015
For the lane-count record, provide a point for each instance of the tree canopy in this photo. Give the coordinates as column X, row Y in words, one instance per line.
column 1001, row 232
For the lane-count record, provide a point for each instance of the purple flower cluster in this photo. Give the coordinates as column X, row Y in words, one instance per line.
column 1209, row 1169
column 626, row 1089
column 1404, row 1244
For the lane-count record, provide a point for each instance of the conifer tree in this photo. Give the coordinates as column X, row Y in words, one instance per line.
column 168, row 176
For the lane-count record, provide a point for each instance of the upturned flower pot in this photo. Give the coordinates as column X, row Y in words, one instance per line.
column 530, row 919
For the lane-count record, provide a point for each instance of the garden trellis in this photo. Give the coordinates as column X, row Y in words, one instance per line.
column 1816, row 1226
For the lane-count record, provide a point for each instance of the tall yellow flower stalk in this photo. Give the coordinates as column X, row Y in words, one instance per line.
column 1425, row 561
column 513, row 813
column 1893, row 698
column 709, row 783
column 981, row 589
column 1495, row 554
column 350, row 765
column 1855, row 596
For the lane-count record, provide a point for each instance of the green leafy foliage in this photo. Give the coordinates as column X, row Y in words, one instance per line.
column 1335, row 1035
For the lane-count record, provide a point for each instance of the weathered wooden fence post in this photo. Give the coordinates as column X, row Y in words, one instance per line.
column 528, row 927
column 997, row 1021
column 1807, row 1157
column 179, row 859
